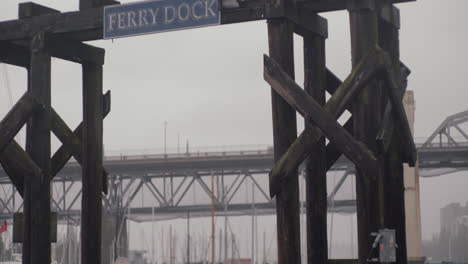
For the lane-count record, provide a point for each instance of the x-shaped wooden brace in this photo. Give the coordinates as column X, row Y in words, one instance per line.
column 375, row 62
column 17, row 163
column 385, row 133
column 71, row 141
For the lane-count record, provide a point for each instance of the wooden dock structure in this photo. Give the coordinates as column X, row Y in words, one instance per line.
column 377, row 138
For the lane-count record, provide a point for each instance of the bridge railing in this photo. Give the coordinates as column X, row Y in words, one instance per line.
column 198, row 153
column 228, row 151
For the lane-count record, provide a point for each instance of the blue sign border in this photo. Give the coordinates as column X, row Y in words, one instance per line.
column 157, row 11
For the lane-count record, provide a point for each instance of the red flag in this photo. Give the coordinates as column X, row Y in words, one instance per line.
column 3, row 228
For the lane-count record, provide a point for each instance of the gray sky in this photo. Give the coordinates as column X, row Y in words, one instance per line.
column 208, row 84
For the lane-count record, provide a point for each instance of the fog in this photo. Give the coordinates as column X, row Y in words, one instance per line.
column 208, row 85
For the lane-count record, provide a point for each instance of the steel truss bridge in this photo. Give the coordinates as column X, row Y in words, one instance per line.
column 161, row 187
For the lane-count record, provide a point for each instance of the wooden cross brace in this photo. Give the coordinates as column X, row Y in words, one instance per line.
column 72, row 142
column 376, row 61
column 17, row 163
column 385, row 133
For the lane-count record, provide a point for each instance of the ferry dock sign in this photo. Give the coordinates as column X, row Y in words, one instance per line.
column 159, row 16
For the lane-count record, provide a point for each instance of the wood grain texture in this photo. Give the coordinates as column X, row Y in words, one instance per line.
column 37, row 243
column 91, row 201
column 280, row 40
column 340, row 100
column 64, row 153
column 315, row 82
column 16, row 118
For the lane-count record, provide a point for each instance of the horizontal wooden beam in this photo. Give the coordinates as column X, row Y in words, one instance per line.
column 75, row 51
column 235, row 11
column 13, row 54
column 87, row 24
column 85, row 4
column 64, row 153
column 76, row 25
column 30, row 9
column 17, row 165
column 16, row 118
column 314, row 113
column 319, row 6
column 307, row 22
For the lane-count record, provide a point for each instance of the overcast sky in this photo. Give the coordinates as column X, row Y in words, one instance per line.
column 208, row 84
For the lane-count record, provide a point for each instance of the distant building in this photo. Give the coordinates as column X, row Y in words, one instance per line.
column 450, row 244
column 450, row 214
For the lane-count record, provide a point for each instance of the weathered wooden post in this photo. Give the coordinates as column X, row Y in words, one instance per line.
column 367, row 115
column 36, row 236
column 92, row 163
column 393, row 170
column 280, row 40
column 315, row 165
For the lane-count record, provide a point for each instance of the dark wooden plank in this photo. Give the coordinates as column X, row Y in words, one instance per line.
column 37, row 243
column 280, row 41
column 30, row 9
column 72, row 23
column 76, row 51
column 335, row 5
column 307, row 22
column 86, row 4
column 340, row 100
column 91, row 202
column 399, row 115
column 66, row 136
column 16, row 118
column 242, row 11
column 14, row 54
column 18, row 165
column 333, row 153
column 395, row 213
column 315, row 82
column 315, row 114
column 384, row 136
column 63, row 154
column 333, row 82
column 367, row 115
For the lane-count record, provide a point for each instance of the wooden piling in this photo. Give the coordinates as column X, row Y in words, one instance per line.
column 36, row 237
column 315, row 165
column 92, row 164
column 393, row 170
column 366, row 118
column 280, row 40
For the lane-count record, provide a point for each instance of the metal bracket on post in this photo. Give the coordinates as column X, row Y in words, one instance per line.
column 385, row 241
